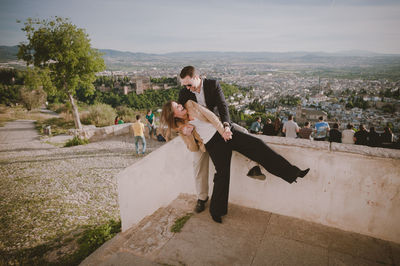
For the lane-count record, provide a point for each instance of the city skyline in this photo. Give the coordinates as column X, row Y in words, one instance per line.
column 175, row 26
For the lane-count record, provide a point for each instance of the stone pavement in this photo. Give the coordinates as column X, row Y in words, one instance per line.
column 246, row 237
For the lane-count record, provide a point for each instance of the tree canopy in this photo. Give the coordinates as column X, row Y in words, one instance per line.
column 65, row 50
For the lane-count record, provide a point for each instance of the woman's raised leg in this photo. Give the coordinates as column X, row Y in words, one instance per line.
column 256, row 150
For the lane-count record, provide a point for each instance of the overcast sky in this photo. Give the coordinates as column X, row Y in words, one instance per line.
column 226, row 25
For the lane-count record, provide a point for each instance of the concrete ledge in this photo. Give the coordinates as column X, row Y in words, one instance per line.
column 94, row 133
column 356, row 191
column 325, row 145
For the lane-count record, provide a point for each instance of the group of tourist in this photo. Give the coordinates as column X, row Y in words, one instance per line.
column 323, row 132
column 362, row 136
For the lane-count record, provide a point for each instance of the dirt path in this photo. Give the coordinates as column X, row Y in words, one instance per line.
column 47, row 192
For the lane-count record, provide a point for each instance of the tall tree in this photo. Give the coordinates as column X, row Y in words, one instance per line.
column 65, row 50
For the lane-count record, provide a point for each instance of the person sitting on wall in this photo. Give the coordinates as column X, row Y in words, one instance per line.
column 334, row 134
column 361, row 136
column 268, row 128
column 290, row 128
column 256, row 126
column 374, row 139
column 387, row 138
column 348, row 135
column 150, row 123
column 201, row 129
column 278, row 127
column 321, row 129
column 305, row 132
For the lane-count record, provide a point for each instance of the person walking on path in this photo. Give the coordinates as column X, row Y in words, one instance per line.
column 138, row 131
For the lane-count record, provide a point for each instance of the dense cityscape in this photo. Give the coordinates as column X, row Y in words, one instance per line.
column 283, row 92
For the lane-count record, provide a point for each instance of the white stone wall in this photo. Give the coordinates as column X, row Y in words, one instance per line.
column 354, row 188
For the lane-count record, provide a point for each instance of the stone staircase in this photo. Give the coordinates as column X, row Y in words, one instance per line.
column 246, row 237
column 140, row 244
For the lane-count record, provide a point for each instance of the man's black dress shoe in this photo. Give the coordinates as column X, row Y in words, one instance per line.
column 217, row 219
column 256, row 173
column 201, row 205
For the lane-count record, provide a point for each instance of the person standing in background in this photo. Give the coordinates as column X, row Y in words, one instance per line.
column 138, row 131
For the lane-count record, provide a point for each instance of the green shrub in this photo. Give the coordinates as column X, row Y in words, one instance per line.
column 60, row 107
column 91, row 240
column 101, row 115
column 76, row 141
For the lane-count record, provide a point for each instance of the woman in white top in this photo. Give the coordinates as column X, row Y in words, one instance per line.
column 201, row 129
column 348, row 135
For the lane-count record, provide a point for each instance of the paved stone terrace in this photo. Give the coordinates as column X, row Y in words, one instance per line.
column 246, row 237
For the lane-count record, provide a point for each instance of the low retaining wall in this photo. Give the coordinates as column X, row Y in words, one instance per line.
column 350, row 187
column 93, row 133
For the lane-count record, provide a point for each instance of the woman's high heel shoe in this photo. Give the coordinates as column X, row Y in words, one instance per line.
column 304, row 172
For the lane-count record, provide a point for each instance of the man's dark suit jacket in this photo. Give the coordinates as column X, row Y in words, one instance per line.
column 214, row 98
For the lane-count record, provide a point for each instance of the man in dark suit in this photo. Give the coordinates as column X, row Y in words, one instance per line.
column 208, row 93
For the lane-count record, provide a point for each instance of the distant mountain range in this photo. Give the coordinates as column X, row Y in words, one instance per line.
column 115, row 58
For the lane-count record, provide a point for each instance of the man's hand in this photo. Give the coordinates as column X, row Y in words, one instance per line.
column 227, row 135
column 187, row 130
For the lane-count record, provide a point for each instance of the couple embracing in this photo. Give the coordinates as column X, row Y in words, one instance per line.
column 212, row 136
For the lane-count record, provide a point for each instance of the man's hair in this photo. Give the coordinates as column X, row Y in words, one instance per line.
column 306, row 123
column 320, row 118
column 188, row 71
column 349, row 126
column 361, row 127
column 269, row 121
column 137, row 117
column 336, row 125
column 290, row 117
